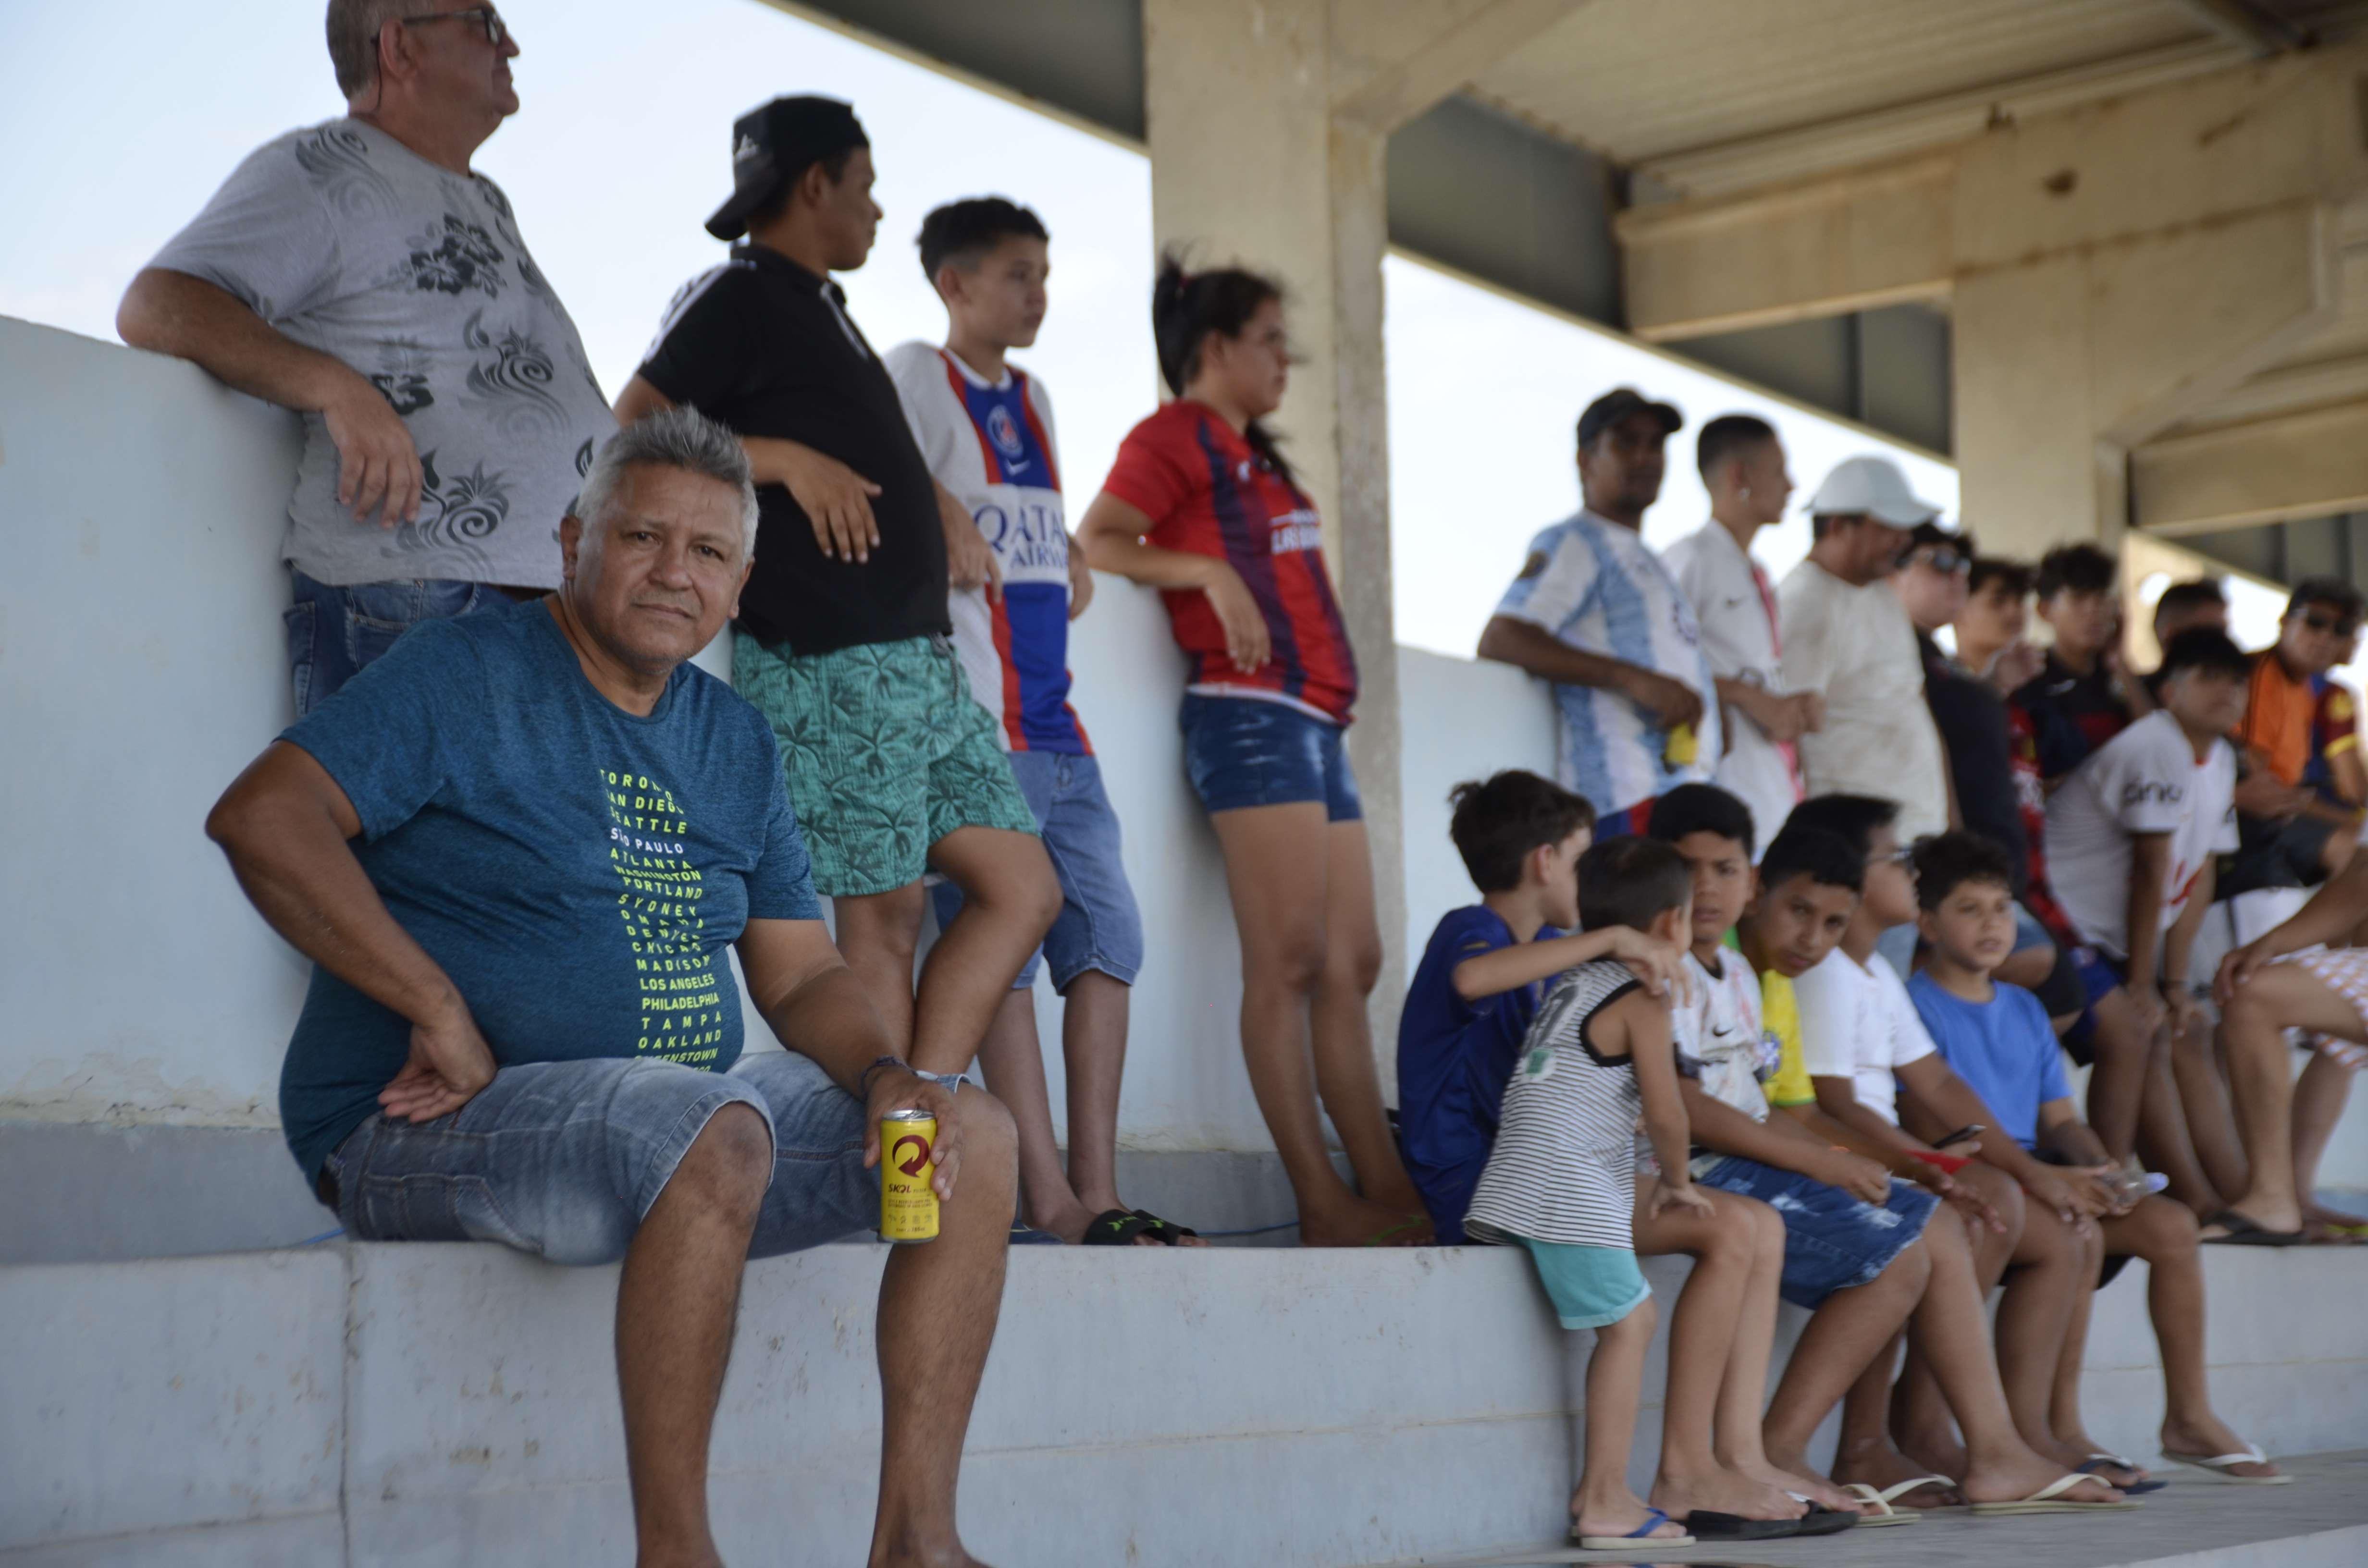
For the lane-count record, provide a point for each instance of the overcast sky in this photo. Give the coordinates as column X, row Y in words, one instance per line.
column 126, row 116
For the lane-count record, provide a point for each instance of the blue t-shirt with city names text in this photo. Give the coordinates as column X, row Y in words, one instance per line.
column 2004, row 1049
column 577, row 871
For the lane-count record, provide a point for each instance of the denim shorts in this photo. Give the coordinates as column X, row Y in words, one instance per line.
column 1832, row 1241
column 564, row 1159
column 1098, row 927
column 1247, row 751
column 1589, row 1286
column 333, row 633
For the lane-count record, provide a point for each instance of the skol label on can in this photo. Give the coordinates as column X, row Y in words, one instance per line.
column 1683, row 747
column 908, row 1205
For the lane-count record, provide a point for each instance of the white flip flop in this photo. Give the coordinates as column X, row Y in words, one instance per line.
column 2050, row 1499
column 2222, row 1465
column 1880, row 1502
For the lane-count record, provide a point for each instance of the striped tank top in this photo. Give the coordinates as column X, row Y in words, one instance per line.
column 1562, row 1169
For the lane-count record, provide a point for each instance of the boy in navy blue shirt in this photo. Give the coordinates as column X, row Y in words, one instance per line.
column 1473, row 997
column 1998, row 1039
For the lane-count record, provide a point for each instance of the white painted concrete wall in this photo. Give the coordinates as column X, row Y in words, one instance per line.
column 143, row 664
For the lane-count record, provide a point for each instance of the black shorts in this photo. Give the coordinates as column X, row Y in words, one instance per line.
column 2274, row 854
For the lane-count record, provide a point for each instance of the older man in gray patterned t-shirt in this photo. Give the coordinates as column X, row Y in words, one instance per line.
column 360, row 273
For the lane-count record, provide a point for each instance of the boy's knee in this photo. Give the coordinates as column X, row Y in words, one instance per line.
column 1362, row 963
column 1296, row 962
column 1911, row 1270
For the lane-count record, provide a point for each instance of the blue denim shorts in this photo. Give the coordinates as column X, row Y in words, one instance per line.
column 564, row 1159
column 333, row 633
column 1832, row 1241
column 1099, row 925
column 1245, row 750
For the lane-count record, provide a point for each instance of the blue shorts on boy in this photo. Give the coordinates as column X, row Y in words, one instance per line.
column 1832, row 1241
column 1099, row 925
column 1589, row 1286
column 1454, row 1059
column 2004, row 1049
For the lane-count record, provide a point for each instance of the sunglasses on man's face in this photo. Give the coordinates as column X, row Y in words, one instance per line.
column 2324, row 623
column 1946, row 562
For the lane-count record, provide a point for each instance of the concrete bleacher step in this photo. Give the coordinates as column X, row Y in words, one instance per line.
column 382, row 1404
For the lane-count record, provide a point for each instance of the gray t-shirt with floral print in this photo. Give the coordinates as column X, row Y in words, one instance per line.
column 349, row 243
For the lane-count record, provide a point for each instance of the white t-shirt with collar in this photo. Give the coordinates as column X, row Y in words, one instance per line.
column 1858, row 1022
column 2145, row 780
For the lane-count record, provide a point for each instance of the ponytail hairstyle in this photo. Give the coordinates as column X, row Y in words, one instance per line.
column 1186, row 307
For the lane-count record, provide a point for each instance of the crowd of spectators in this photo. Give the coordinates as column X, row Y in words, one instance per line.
column 1775, row 977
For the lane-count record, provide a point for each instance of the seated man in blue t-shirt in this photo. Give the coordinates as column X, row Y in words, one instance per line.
column 516, row 848
column 1998, row 1039
column 1477, row 989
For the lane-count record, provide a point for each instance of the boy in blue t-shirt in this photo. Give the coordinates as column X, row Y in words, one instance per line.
column 1996, row 1037
column 1473, row 996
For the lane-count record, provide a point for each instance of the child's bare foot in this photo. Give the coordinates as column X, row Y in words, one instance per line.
column 1884, row 1467
column 1721, row 1491
column 2209, row 1438
column 2109, row 1468
column 1816, row 1488
column 1358, row 1223
column 2011, row 1477
column 1621, row 1518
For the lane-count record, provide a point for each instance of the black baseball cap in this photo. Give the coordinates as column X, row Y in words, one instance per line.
column 774, row 144
column 1618, row 405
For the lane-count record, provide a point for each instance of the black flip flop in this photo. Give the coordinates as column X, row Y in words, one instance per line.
column 1703, row 1524
column 1822, row 1520
column 2244, row 1232
column 1166, row 1232
column 1115, row 1228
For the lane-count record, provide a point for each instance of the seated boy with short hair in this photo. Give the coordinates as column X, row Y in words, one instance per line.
column 1472, row 999
column 1559, row 1181
column 1997, row 1039
column 1859, row 1250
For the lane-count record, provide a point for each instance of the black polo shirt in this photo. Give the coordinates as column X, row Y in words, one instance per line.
column 1971, row 717
column 767, row 349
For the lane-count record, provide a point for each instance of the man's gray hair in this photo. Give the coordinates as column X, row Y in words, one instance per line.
column 354, row 27
column 676, row 437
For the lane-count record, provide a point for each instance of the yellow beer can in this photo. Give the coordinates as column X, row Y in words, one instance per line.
column 908, row 1205
column 1683, row 748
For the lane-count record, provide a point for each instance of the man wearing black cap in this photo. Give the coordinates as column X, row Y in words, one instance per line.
column 841, row 641
column 1595, row 612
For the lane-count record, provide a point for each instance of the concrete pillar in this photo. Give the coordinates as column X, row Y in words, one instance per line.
column 1269, row 123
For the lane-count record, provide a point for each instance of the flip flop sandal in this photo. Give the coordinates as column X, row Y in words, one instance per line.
column 1116, row 1228
column 1381, row 1239
column 2223, row 1466
column 2247, row 1233
column 1880, row 1502
column 1166, row 1232
column 2128, row 1488
column 2050, row 1499
column 1654, row 1519
column 1706, row 1525
column 1024, row 1235
column 1822, row 1520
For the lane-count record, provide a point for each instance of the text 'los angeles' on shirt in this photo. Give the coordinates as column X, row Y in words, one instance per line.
column 767, row 348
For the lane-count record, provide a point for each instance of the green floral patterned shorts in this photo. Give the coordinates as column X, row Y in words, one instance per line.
column 886, row 753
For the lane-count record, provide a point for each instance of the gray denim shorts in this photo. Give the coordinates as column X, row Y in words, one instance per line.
column 564, row 1159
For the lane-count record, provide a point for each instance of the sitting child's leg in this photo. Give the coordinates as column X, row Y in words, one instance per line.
column 1949, row 1330
column 1919, row 1416
column 2051, row 1266
column 1848, row 1330
column 1615, row 1373
column 1743, row 1393
column 1705, row 1331
column 2164, row 1235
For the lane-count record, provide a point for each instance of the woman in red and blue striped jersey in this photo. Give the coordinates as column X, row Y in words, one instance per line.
column 1202, row 505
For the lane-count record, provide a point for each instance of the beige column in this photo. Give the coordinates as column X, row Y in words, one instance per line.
column 1269, row 123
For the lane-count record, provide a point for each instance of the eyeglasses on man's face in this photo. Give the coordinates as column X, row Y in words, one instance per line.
column 485, row 16
column 2324, row 623
column 1946, row 562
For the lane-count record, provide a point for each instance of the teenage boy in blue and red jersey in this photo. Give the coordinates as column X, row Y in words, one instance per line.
column 985, row 426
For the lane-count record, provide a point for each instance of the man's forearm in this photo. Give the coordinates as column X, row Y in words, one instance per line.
column 291, row 856
column 1537, row 650
column 172, row 313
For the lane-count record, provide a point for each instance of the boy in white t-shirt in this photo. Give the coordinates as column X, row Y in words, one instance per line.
column 985, row 429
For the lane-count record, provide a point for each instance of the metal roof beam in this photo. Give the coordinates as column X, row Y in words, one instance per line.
column 2255, row 24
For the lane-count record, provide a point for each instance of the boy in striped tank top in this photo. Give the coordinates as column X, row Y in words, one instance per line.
column 1559, row 1181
